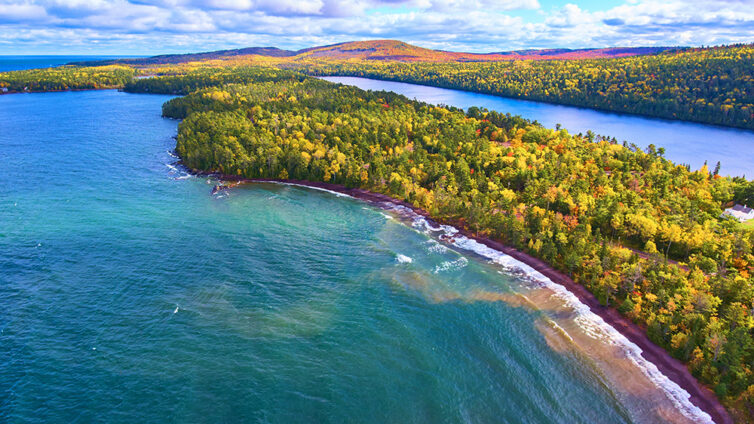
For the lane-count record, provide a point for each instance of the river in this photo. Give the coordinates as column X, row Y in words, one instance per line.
column 130, row 293
column 684, row 142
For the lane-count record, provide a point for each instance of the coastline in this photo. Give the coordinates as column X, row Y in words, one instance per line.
column 550, row 102
column 60, row 91
column 700, row 395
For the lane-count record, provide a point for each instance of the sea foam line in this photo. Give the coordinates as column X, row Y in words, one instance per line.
column 592, row 324
column 337, row 193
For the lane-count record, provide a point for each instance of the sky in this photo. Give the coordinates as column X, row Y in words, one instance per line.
column 147, row 27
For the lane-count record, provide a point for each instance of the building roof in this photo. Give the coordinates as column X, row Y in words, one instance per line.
column 743, row 209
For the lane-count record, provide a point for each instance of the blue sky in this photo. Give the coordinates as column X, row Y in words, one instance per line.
column 139, row 27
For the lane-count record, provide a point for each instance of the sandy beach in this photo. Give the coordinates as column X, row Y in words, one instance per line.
column 675, row 370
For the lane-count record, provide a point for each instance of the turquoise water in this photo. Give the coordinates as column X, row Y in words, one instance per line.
column 684, row 142
column 129, row 293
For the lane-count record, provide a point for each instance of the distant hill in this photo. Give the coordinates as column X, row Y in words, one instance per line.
column 400, row 51
column 585, row 53
column 384, row 50
column 167, row 59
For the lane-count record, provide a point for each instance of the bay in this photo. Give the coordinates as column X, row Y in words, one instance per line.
column 130, row 293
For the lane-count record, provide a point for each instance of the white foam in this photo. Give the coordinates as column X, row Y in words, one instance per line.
column 337, row 193
column 172, row 168
column 559, row 328
column 183, row 177
column 435, row 247
column 172, row 155
column 451, row 265
column 591, row 323
column 403, row 259
column 176, row 310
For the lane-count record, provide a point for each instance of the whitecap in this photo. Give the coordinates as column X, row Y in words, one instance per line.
column 435, row 247
column 403, row 259
column 451, row 265
column 337, row 193
column 591, row 323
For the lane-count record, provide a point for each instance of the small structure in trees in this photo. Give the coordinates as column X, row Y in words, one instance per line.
column 741, row 213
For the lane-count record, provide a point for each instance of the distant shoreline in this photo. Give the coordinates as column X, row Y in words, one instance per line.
column 700, row 395
column 3, row 93
column 530, row 99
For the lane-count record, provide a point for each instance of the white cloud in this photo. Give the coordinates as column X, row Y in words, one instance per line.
column 158, row 26
column 22, row 12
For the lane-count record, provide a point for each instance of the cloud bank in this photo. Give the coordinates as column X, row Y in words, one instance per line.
column 161, row 26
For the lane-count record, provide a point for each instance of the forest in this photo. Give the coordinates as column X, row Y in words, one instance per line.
column 640, row 232
column 708, row 85
column 191, row 79
column 65, row 78
column 713, row 86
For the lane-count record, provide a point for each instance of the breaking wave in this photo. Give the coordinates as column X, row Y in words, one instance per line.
column 403, row 259
column 591, row 323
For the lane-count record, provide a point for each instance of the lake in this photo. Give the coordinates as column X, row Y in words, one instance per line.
column 684, row 142
column 130, row 293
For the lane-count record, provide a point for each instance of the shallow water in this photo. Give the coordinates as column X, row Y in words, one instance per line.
column 684, row 142
column 129, row 293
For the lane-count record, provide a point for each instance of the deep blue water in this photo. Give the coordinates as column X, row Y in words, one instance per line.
column 129, row 293
column 20, row 62
column 684, row 142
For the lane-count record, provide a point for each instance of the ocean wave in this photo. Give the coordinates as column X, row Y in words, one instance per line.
column 388, row 217
column 403, row 259
column 560, row 329
column 451, row 265
column 591, row 323
column 337, row 193
column 435, row 247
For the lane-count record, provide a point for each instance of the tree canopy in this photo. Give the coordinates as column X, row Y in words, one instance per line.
column 642, row 233
column 714, row 86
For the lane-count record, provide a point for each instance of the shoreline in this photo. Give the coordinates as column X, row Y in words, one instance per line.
column 700, row 395
column 550, row 102
column 5, row 93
